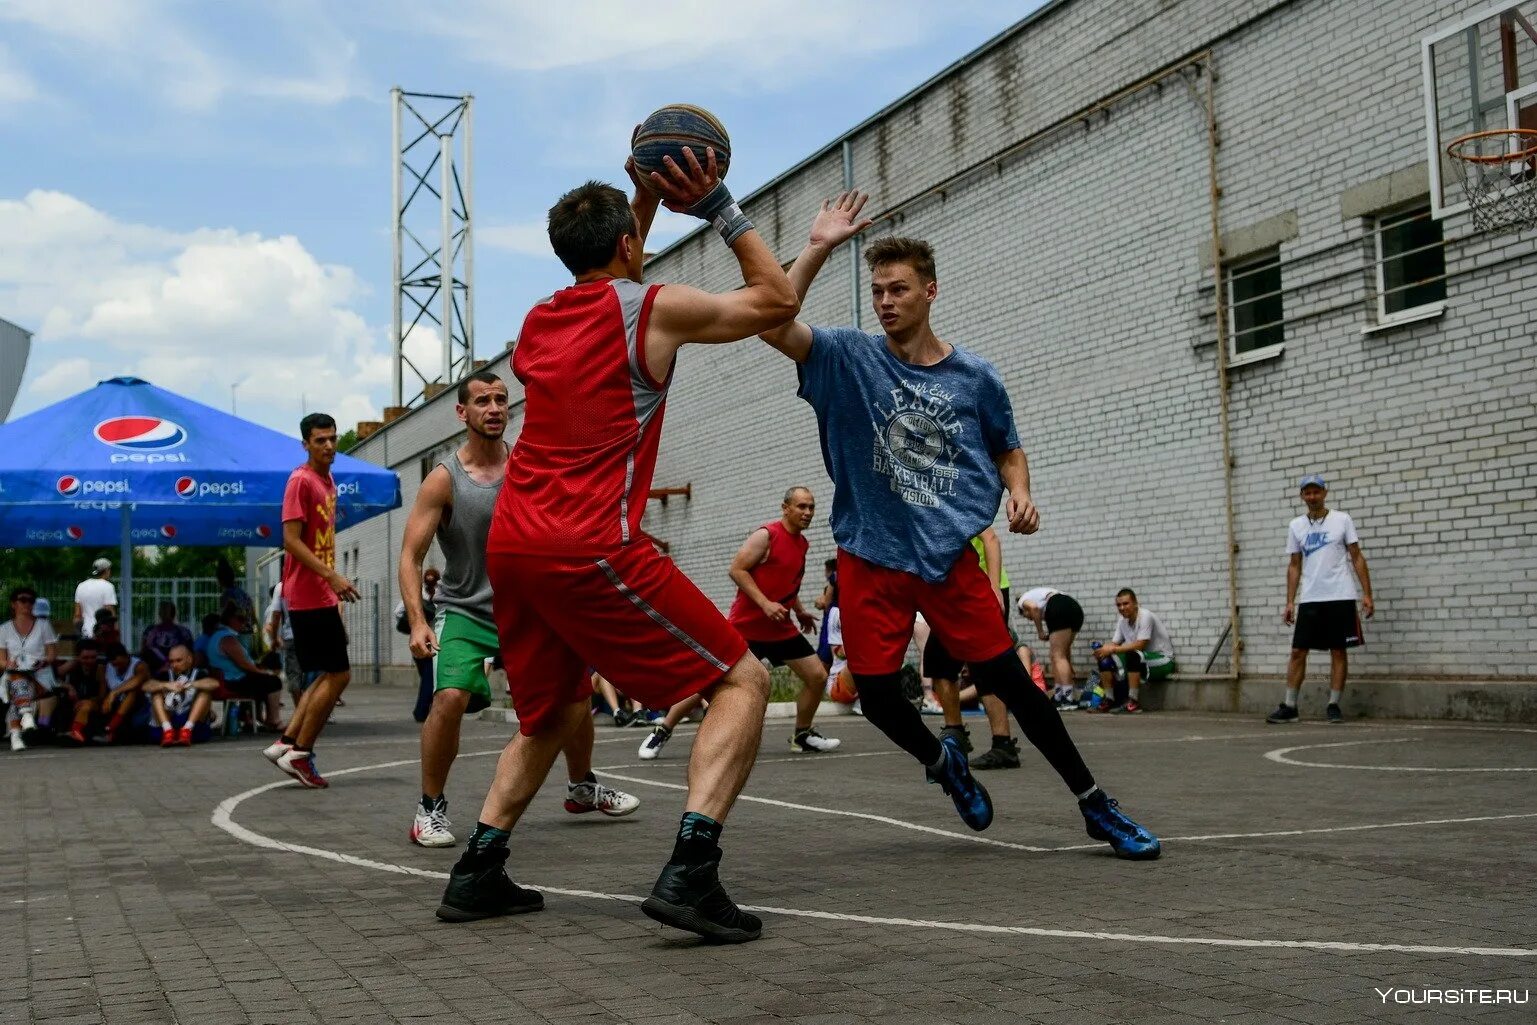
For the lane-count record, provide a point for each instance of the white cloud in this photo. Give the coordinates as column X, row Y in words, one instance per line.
column 143, row 43
column 755, row 40
column 193, row 312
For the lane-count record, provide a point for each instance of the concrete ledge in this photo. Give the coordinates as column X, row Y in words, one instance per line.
column 1511, row 701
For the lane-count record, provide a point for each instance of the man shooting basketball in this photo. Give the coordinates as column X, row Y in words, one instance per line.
column 576, row 582
column 918, row 436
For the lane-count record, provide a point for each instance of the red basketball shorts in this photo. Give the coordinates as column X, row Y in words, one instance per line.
column 634, row 617
column 878, row 605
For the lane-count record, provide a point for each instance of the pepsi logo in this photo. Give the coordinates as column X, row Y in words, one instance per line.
column 68, row 485
column 169, row 530
column 75, row 533
column 186, row 487
column 140, row 433
column 262, row 530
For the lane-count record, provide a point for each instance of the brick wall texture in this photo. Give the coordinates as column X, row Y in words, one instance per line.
column 1071, row 258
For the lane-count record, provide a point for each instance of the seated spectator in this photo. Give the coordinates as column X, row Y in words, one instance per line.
column 1057, row 618
column 1139, row 650
column 81, row 682
column 159, row 638
column 208, row 626
column 21, row 694
column 106, row 632
column 28, row 635
column 232, row 593
column 228, row 659
column 124, row 677
column 182, row 699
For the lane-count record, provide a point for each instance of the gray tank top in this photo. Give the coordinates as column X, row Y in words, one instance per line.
column 462, row 537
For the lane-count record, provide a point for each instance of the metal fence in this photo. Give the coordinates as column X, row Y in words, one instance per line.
column 194, row 598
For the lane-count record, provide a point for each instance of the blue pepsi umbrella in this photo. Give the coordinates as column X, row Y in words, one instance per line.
column 132, row 464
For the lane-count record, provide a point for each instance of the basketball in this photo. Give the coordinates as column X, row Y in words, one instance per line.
column 668, row 130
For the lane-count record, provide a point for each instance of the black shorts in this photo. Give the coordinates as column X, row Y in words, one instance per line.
column 1062, row 613
column 780, row 652
column 254, row 685
column 1327, row 626
column 938, row 663
column 320, row 640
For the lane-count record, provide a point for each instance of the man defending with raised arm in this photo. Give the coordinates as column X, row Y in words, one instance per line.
column 918, row 436
column 576, row 582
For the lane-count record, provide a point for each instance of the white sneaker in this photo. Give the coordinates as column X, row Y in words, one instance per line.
column 930, row 707
column 275, row 750
column 811, row 740
column 17, row 744
column 28, row 721
column 431, row 828
column 585, row 797
column 651, row 747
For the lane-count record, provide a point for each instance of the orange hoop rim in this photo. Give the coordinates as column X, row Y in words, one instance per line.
column 1527, row 135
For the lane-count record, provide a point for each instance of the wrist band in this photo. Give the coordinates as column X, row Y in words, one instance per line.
column 721, row 210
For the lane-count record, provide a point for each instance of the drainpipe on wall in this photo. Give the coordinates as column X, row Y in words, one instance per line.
column 856, row 301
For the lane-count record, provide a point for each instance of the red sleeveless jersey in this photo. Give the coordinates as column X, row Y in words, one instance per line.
column 578, row 477
column 779, row 578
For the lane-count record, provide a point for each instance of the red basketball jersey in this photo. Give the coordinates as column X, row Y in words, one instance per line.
column 578, row 477
column 779, row 578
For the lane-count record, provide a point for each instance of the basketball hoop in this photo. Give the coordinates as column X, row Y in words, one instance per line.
column 1498, row 170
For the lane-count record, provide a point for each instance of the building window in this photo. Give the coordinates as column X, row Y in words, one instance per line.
column 1411, row 265
column 1254, row 305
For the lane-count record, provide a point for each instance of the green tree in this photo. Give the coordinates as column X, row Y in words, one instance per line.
column 346, row 440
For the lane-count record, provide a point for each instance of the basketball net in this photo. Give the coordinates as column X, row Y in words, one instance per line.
column 1498, row 171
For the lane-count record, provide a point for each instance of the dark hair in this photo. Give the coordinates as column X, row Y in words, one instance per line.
column 18, row 592
column 85, row 644
column 791, row 493
column 1126, row 592
column 587, row 223
column 211, row 622
column 112, row 651
column 224, row 573
column 830, row 564
column 315, row 422
column 106, row 616
column 230, row 611
column 916, row 253
column 483, row 376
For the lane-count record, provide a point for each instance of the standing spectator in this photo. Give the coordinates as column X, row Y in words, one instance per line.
column 28, row 635
column 426, row 685
column 312, row 592
column 182, row 699
column 279, row 632
column 81, row 682
column 232, row 593
column 227, row 657
column 825, row 602
column 126, row 676
column 1140, row 649
column 159, row 638
column 1057, row 618
column 93, row 595
column 1323, row 548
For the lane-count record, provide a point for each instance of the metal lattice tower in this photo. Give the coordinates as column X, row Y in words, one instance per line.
column 433, row 284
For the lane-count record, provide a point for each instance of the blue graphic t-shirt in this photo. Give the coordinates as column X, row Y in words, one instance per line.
column 910, row 449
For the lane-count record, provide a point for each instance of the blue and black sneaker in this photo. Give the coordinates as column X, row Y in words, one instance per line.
column 1104, row 820
column 956, row 780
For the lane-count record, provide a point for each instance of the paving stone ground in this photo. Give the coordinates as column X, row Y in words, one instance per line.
column 122, row 902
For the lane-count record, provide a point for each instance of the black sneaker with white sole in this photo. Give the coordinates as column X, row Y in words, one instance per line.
column 691, row 898
column 484, row 890
column 1334, row 715
column 1283, row 714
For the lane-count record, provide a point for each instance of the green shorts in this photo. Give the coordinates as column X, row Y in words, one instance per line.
column 1156, row 666
column 464, row 644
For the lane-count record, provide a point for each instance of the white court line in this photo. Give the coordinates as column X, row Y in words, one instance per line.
column 1280, row 755
column 223, row 818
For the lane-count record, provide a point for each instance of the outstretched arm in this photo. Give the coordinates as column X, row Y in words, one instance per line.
column 836, row 223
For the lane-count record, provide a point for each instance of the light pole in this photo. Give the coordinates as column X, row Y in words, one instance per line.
column 232, row 386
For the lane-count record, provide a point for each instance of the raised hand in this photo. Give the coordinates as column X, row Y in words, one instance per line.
column 839, row 220
column 681, row 189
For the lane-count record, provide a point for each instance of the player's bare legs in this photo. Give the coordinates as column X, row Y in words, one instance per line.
column 727, row 744
column 525, row 762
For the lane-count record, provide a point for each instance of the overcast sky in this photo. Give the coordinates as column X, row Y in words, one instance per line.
column 199, row 194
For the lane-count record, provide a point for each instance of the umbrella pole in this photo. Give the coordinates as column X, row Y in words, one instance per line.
column 125, row 560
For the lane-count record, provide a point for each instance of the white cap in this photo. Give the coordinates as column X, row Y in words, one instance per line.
column 41, row 609
column 100, row 566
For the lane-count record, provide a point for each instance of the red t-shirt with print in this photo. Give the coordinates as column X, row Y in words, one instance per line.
column 310, row 498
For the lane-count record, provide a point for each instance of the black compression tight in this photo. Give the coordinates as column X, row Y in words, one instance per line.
column 880, row 696
column 1006, row 677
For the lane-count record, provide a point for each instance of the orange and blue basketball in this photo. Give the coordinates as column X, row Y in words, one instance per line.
column 668, row 130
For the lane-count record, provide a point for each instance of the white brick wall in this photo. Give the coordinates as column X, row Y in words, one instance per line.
column 1074, row 265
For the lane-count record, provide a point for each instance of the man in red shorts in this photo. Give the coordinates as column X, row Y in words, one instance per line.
column 767, row 571
column 918, row 436
column 312, row 593
column 576, row 583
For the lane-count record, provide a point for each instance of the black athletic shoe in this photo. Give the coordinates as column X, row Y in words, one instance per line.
column 486, row 892
column 1284, row 713
column 999, row 756
column 1334, row 715
column 690, row 897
